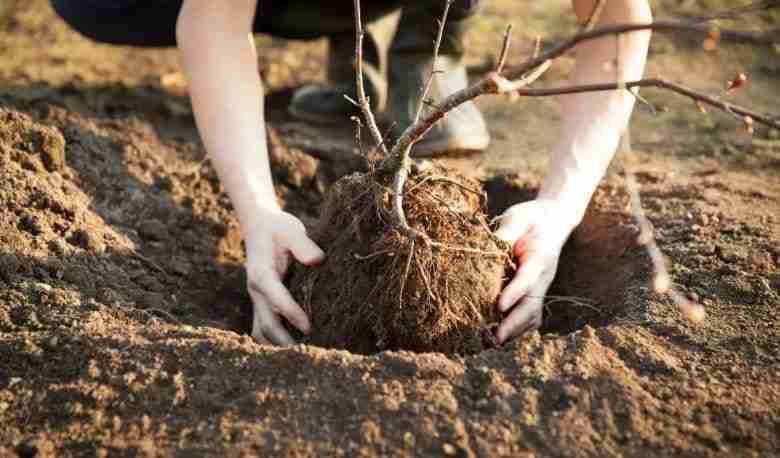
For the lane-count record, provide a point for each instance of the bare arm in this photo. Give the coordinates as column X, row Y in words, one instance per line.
column 219, row 59
column 593, row 122
column 590, row 129
column 220, row 63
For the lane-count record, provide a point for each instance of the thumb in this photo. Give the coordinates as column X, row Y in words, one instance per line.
column 304, row 250
column 517, row 220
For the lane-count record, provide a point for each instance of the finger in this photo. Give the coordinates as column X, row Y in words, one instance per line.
column 280, row 300
column 525, row 317
column 522, row 247
column 257, row 328
column 304, row 249
column 265, row 325
column 527, row 276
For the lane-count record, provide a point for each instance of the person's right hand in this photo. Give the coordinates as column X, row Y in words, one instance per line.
column 270, row 243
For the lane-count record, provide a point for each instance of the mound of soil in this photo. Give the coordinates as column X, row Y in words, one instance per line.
column 379, row 289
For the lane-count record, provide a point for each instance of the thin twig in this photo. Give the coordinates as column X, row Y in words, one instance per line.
column 358, row 135
column 595, row 15
column 769, row 120
column 427, row 88
column 504, row 49
column 363, row 101
column 504, row 85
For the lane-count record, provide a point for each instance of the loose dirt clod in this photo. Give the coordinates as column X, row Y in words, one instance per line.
column 378, row 289
column 45, row 141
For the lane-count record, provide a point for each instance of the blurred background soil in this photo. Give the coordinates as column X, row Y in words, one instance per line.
column 123, row 318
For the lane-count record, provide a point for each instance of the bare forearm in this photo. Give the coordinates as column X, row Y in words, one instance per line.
column 593, row 122
column 219, row 60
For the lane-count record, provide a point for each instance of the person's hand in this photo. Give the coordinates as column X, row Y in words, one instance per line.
column 536, row 230
column 271, row 243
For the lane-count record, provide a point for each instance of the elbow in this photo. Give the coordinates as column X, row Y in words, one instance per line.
column 184, row 26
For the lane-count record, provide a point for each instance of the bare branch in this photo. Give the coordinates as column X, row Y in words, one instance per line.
column 491, row 85
column 769, row 120
column 769, row 37
column 503, row 85
column 363, row 101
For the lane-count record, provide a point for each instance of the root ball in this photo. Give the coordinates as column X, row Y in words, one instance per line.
column 378, row 289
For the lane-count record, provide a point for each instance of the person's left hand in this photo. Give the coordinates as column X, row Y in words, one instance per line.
column 536, row 230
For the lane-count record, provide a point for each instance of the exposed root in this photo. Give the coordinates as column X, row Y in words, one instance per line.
column 434, row 292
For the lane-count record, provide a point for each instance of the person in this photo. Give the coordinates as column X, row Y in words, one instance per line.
column 220, row 62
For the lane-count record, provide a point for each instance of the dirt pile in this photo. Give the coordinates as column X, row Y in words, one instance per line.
column 378, row 289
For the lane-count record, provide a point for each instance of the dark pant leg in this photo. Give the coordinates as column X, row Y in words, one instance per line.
column 311, row 19
column 153, row 22
column 122, row 22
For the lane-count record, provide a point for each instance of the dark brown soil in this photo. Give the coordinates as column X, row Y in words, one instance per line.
column 123, row 319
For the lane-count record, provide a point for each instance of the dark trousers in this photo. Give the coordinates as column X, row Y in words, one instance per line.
column 153, row 22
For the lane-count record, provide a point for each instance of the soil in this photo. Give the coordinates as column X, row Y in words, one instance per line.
column 123, row 321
